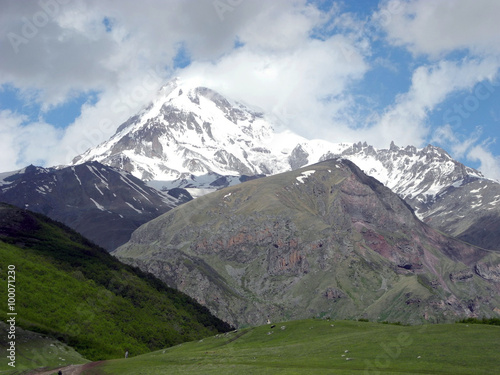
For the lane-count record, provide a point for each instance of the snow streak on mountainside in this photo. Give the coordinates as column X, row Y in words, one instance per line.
column 446, row 194
column 410, row 172
column 417, row 175
column 193, row 137
column 191, row 132
column 103, row 203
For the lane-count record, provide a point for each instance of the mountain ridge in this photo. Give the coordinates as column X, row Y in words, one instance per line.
column 324, row 240
column 103, row 203
column 193, row 137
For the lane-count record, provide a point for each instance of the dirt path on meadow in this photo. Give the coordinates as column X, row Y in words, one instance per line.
column 67, row 370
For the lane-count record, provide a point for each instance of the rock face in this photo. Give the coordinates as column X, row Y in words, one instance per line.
column 325, row 240
column 446, row 194
column 193, row 137
column 104, row 204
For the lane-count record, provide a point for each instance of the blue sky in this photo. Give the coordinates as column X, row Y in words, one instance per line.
column 409, row 71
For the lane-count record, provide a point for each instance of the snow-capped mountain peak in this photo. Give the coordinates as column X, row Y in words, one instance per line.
column 190, row 134
column 409, row 171
column 194, row 131
column 193, row 137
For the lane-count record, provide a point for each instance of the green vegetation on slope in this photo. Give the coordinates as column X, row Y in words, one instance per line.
column 327, row 347
column 34, row 350
column 491, row 321
column 74, row 291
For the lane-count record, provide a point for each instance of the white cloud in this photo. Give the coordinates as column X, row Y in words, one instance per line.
column 279, row 68
column 439, row 27
column 436, row 29
column 98, row 122
column 277, row 28
column 54, row 60
column 70, row 50
column 8, row 125
column 302, row 81
column 406, row 122
column 489, row 163
column 308, row 83
column 458, row 145
column 470, row 147
column 24, row 144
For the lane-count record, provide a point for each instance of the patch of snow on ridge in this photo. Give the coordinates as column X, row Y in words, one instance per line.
column 305, row 175
column 98, row 205
column 6, row 175
column 78, row 179
column 198, row 192
column 132, row 207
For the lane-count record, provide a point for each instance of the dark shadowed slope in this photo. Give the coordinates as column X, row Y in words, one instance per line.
column 103, row 203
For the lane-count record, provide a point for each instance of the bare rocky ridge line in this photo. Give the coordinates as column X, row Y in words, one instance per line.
column 103, row 203
column 193, row 137
column 326, row 240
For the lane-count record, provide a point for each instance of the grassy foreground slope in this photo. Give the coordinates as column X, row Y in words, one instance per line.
column 327, row 347
column 76, row 292
column 34, row 350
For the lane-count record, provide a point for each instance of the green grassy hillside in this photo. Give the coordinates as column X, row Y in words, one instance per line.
column 34, row 350
column 327, row 347
column 74, row 291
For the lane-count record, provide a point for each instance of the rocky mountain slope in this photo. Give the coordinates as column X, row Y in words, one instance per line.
column 193, row 137
column 444, row 193
column 324, row 240
column 103, row 203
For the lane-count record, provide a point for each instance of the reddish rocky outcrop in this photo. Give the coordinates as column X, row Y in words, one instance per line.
column 323, row 241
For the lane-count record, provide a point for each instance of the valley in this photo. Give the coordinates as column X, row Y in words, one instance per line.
column 197, row 218
column 324, row 347
column 75, row 293
column 249, row 187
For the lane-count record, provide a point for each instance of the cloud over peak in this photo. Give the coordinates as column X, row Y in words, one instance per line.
column 324, row 69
